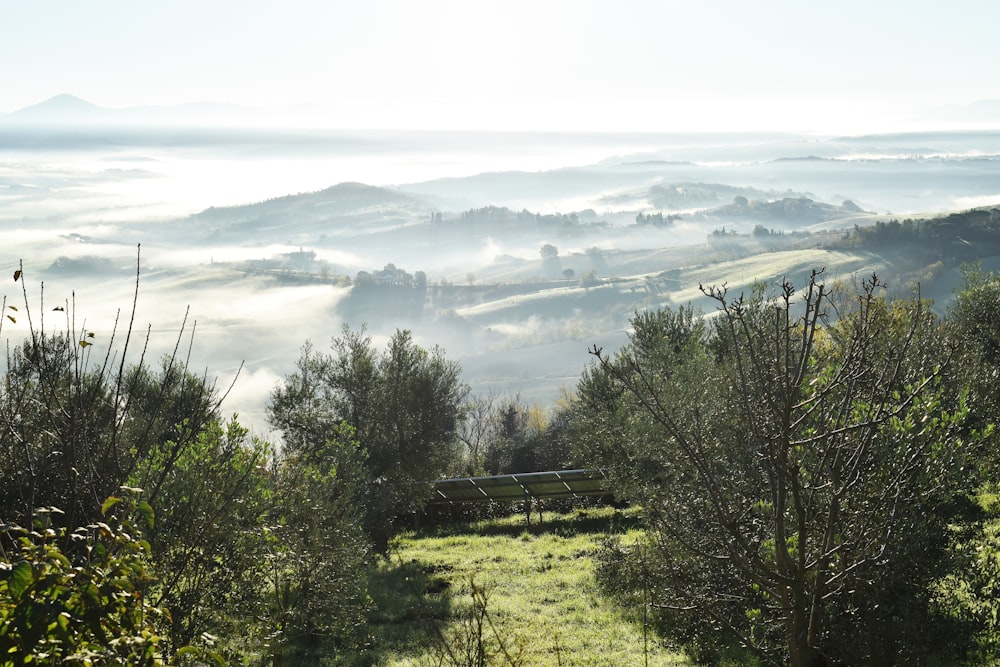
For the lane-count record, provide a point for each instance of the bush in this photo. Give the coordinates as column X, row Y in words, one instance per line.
column 80, row 597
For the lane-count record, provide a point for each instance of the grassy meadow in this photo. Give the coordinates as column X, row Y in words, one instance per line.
column 535, row 582
column 527, row 594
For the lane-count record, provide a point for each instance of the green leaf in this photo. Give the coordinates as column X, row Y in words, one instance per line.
column 90, row 593
column 61, row 559
column 202, row 654
column 109, row 503
column 146, row 511
column 145, row 546
column 62, row 620
column 20, row 579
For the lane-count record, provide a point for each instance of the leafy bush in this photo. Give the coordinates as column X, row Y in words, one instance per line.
column 80, row 597
column 77, row 420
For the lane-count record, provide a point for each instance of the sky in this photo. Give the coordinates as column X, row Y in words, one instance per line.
column 586, row 65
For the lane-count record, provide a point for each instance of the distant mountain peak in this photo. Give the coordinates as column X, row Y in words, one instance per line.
column 69, row 110
column 59, row 106
column 67, row 98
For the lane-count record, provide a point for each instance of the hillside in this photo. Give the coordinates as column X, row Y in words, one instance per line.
column 539, row 587
column 518, row 323
column 521, row 270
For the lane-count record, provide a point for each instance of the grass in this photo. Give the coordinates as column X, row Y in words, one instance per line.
column 535, row 583
column 542, row 605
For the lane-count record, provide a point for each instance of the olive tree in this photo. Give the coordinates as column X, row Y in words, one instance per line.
column 316, row 553
column 404, row 404
column 801, row 459
column 83, row 415
column 80, row 413
column 974, row 324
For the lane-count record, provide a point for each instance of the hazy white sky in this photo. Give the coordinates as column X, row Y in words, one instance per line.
column 514, row 64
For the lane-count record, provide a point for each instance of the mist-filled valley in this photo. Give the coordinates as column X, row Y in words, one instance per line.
column 524, row 333
column 515, row 252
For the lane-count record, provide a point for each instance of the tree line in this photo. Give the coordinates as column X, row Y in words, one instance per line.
column 811, row 461
column 957, row 237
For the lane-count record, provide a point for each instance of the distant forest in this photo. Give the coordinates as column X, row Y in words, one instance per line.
column 956, row 237
column 493, row 218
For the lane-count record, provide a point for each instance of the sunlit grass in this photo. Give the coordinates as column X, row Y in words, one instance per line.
column 539, row 581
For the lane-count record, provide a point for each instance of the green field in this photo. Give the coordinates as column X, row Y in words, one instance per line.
column 540, row 591
column 538, row 599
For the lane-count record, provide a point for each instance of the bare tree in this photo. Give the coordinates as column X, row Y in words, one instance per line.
column 799, row 473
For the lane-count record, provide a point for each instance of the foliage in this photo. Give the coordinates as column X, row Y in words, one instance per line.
column 800, row 477
column 79, row 598
column 74, row 427
column 974, row 319
column 315, row 555
column 252, row 554
column 960, row 236
column 971, row 594
column 502, row 435
column 404, row 404
column 78, row 421
column 208, row 541
column 976, row 312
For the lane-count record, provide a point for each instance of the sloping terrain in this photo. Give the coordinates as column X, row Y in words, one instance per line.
column 514, row 273
column 540, row 592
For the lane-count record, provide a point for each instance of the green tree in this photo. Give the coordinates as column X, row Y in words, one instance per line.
column 404, row 403
column 209, row 539
column 800, row 477
column 522, row 438
column 169, row 404
column 316, row 553
column 974, row 319
column 76, row 420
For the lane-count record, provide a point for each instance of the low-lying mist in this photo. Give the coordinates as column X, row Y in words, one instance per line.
column 515, row 253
